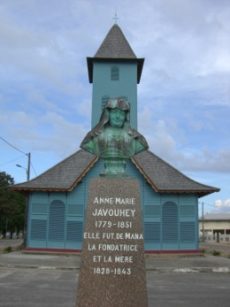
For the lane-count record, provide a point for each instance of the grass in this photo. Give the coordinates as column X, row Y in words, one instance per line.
column 216, row 253
column 203, row 251
column 7, row 250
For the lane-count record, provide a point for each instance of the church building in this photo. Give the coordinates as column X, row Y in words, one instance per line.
column 57, row 199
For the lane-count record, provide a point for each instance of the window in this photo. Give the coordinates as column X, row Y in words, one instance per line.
column 38, row 229
column 170, row 222
column 74, row 231
column 57, row 221
column 152, row 231
column 114, row 73
column 187, row 232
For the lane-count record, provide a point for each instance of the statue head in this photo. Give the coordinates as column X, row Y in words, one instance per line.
column 114, row 114
column 117, row 118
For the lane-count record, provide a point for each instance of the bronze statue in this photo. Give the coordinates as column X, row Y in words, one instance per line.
column 113, row 139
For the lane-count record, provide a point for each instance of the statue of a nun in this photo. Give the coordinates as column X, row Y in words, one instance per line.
column 112, row 139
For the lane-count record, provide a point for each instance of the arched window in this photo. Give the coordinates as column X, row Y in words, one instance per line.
column 169, row 222
column 57, row 221
column 114, row 73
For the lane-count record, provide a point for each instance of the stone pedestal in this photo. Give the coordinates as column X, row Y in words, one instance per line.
column 112, row 270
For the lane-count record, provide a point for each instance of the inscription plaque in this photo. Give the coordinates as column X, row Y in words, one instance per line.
column 112, row 269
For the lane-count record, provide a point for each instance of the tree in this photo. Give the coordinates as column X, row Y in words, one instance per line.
column 12, row 207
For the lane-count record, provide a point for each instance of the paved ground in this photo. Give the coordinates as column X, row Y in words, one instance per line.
column 159, row 263
column 37, row 280
column 188, row 290
column 37, row 287
column 57, row 288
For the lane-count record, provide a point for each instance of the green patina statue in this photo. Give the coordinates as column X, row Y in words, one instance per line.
column 113, row 140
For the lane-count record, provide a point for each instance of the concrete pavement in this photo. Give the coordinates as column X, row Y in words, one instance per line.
column 154, row 262
column 50, row 280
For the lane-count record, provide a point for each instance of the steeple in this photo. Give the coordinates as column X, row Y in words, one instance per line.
column 115, row 47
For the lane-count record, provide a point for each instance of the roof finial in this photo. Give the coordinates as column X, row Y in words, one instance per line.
column 115, row 18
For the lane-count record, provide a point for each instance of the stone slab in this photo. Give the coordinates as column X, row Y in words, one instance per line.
column 112, row 272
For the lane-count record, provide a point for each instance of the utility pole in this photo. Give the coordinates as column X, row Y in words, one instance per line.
column 203, row 237
column 27, row 169
column 28, row 166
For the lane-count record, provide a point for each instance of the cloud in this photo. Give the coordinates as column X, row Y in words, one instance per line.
column 220, row 204
column 184, row 94
column 168, row 138
column 50, row 133
column 39, row 54
column 205, row 160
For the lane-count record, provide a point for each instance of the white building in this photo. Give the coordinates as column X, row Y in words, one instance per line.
column 215, row 226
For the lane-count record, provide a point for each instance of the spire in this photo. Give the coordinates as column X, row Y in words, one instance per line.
column 115, row 45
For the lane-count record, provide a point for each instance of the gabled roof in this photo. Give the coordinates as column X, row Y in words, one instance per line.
column 161, row 176
column 115, row 48
column 164, row 178
column 115, row 45
column 62, row 177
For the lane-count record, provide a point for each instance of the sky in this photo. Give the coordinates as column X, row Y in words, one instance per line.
column 183, row 96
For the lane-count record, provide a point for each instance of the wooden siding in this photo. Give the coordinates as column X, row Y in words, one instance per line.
column 125, row 86
column 170, row 221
